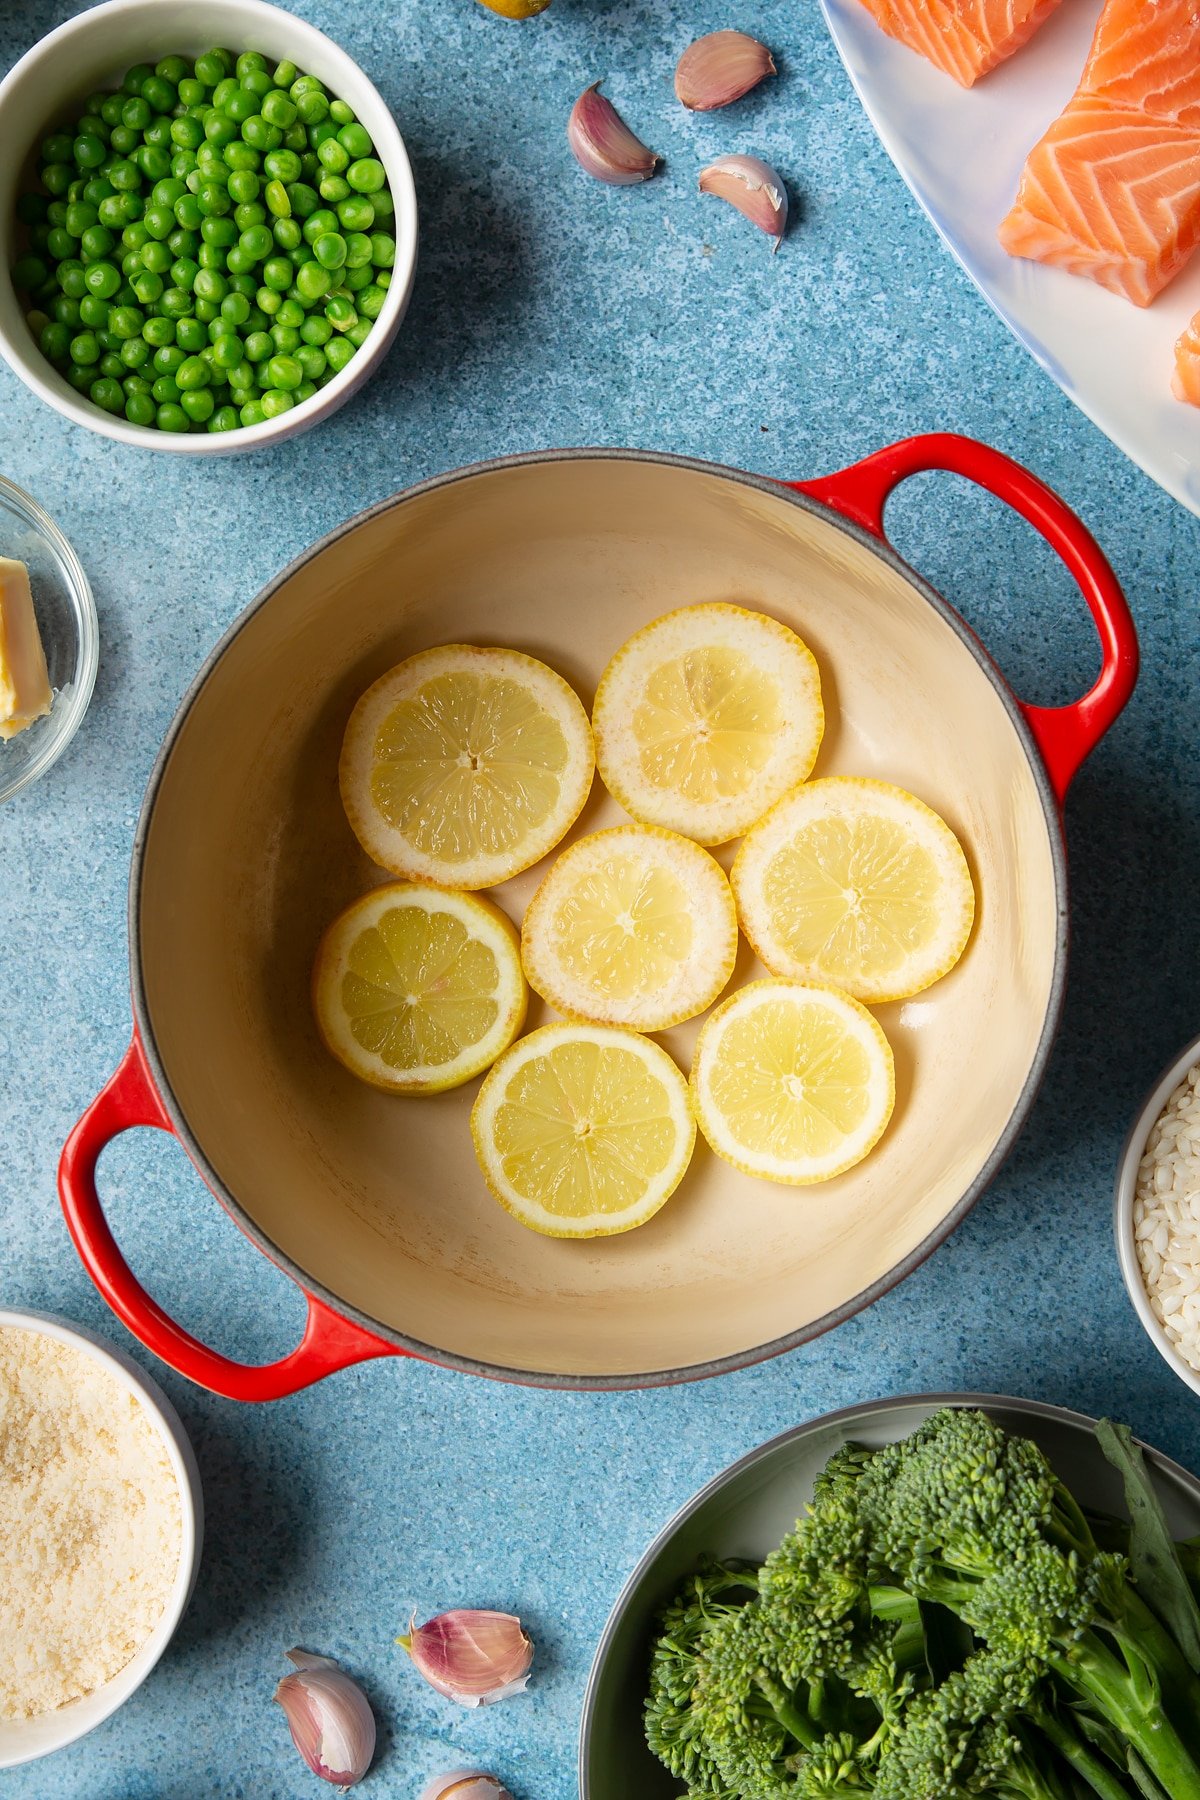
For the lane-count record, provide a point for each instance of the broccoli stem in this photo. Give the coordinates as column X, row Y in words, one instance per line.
column 786, row 1711
column 1098, row 1775
column 1091, row 1670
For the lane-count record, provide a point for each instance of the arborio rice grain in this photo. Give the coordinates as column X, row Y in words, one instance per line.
column 1166, row 1217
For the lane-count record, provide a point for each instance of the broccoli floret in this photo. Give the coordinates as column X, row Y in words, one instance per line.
column 977, row 1521
column 673, row 1730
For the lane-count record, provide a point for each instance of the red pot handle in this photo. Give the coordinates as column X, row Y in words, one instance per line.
column 1065, row 735
column 330, row 1342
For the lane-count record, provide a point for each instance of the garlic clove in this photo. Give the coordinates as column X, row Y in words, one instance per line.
column 603, row 144
column 474, row 1658
column 718, row 69
column 329, row 1717
column 754, row 188
column 464, row 1784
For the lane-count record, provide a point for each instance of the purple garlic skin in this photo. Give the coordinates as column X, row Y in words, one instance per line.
column 329, row 1717
column 603, row 145
column 473, row 1658
column 463, row 1784
column 753, row 187
column 718, row 69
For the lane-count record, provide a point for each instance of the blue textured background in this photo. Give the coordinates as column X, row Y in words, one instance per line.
column 551, row 311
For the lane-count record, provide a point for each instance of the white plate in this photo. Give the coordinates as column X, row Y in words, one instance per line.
column 961, row 152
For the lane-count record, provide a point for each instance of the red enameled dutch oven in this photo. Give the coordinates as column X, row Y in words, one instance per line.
column 373, row 1203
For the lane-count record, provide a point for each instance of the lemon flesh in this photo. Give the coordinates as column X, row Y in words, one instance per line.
column 583, row 1130
column 417, row 990
column 791, row 1082
column 463, row 766
column 704, row 718
column 632, row 926
column 516, row 9
column 858, row 884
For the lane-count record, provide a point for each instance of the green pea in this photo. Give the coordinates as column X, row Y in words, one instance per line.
column 198, row 404
column 126, row 321
column 356, row 213
column 187, row 211
column 102, row 279
column 80, row 375
column 187, row 132
column 341, row 112
column 211, row 285
column 275, row 401
column 192, row 93
column 135, row 352
column 287, row 234
column 56, row 178
column 171, row 417
column 355, row 279
column 276, row 197
column 367, row 176
column 89, row 150
column 257, row 242
column 206, row 311
column 112, row 212
column 93, row 312
column 107, row 393
column 385, row 207
column 318, row 222
column 191, row 335
column 70, row 276
column 192, row 373
column 252, row 413
column 55, row 341
column 355, row 140
column 312, row 108
column 281, row 165
column 182, row 242
column 291, row 313
column 338, row 352
column 160, row 94
column 156, row 256
column 268, row 301
column 85, row 349
column 277, row 109
column 259, row 347
column 329, row 248
column 244, row 284
column 340, row 312
column 221, row 233
column 284, row 74
column 168, row 358
column 158, row 331
column 228, row 351
column 60, row 243
column 240, row 105
column 97, row 189
column 136, row 113
column 284, row 372
column 153, row 162
column 224, row 419
column 249, row 213
column 258, row 81
column 358, row 250
column 176, row 302
column 244, row 187
column 235, row 308
column 57, row 148
column 260, row 134
column 29, row 272
column 312, row 361
column 212, row 67
column 79, row 216
column 333, row 189
column 277, row 273
column 159, row 221
column 123, row 140
column 316, row 330
column 96, row 243
column 332, row 155
column 285, row 338
column 240, row 263
column 371, row 301
column 358, row 334
column 184, row 272
column 213, row 200
column 140, row 409
column 305, row 200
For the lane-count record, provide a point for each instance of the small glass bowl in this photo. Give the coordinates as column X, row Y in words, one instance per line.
column 66, row 616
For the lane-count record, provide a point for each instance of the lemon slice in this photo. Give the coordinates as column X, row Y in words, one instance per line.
column 792, row 1082
column 416, row 989
column 463, row 766
column 583, row 1130
column 858, row 884
column 632, row 926
column 705, row 718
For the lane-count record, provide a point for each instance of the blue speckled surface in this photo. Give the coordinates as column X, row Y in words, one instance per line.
column 550, row 311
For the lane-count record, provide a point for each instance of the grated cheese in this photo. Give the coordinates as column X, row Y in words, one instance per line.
column 90, row 1524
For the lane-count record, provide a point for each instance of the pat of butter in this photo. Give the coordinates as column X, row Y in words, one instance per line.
column 24, row 683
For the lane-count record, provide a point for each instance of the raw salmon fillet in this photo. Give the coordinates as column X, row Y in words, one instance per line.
column 1146, row 54
column 1185, row 383
column 1111, row 193
column 965, row 38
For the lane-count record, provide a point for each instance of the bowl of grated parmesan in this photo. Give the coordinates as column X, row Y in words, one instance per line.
column 1158, row 1215
column 101, row 1520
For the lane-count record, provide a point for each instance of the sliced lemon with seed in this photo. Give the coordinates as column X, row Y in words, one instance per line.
column 463, row 766
column 633, row 926
column 704, row 718
column 858, row 884
column 792, row 1083
column 583, row 1131
column 417, row 989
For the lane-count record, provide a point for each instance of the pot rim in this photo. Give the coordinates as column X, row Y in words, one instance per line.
column 1036, row 1409
column 310, row 1283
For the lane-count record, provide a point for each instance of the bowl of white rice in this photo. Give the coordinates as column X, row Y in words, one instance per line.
column 1158, row 1215
column 101, row 1519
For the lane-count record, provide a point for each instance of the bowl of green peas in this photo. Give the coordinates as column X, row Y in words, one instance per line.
column 208, row 225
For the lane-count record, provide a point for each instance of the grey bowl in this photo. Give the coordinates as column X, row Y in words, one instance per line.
column 744, row 1512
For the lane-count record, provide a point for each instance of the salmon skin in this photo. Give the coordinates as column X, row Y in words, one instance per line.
column 964, row 38
column 1185, row 383
column 1146, row 54
column 1112, row 191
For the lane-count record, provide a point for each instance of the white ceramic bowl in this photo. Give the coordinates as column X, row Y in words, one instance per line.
column 23, row 1740
column 66, row 616
column 1127, row 1173
column 93, row 51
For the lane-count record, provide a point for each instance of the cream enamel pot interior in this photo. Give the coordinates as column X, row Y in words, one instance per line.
column 374, row 1203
